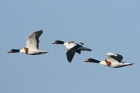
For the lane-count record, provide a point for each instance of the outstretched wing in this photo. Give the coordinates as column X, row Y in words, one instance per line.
column 71, row 52
column 117, row 57
column 33, row 39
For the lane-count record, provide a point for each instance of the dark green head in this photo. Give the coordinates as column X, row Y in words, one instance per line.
column 13, row 51
column 92, row 60
column 58, row 42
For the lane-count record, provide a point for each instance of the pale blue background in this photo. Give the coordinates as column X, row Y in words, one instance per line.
column 103, row 25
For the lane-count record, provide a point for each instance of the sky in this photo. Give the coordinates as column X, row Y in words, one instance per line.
column 103, row 25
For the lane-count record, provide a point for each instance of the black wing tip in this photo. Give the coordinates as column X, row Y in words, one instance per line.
column 132, row 63
column 41, row 31
column 38, row 32
column 90, row 50
column 69, row 61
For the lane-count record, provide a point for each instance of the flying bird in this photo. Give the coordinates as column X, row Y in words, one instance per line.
column 72, row 47
column 114, row 61
column 32, row 45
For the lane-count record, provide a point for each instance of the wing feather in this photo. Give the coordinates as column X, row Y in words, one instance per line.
column 33, row 39
column 71, row 52
column 116, row 57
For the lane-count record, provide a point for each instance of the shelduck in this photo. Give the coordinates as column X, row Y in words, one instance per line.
column 114, row 61
column 32, row 45
column 72, row 47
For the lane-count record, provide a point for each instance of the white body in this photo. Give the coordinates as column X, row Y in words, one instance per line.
column 71, row 45
column 31, row 51
column 114, row 63
column 32, row 45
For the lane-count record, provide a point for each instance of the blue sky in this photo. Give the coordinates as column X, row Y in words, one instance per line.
column 103, row 25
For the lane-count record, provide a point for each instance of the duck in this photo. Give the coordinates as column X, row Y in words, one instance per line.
column 72, row 47
column 32, row 45
column 114, row 60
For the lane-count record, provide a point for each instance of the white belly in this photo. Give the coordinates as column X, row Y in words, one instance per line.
column 113, row 64
column 30, row 51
